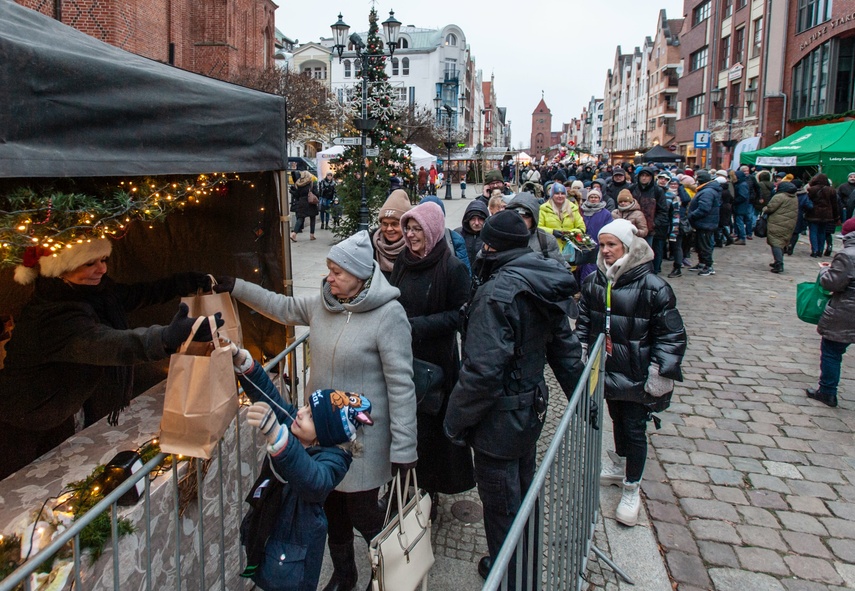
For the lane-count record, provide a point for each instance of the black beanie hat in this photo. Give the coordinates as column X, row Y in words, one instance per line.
column 505, row 230
column 702, row 177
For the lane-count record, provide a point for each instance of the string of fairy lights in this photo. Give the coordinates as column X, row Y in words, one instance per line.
column 45, row 222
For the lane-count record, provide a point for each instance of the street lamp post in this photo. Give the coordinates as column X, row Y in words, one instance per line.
column 391, row 28
column 448, row 144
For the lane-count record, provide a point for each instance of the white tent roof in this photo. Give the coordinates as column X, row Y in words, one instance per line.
column 420, row 158
column 522, row 157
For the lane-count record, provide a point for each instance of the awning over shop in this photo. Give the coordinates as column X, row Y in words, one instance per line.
column 75, row 106
column 829, row 147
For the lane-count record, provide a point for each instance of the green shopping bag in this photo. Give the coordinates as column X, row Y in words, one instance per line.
column 811, row 300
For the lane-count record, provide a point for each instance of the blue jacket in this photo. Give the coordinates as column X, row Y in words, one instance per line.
column 703, row 210
column 294, row 552
column 741, row 193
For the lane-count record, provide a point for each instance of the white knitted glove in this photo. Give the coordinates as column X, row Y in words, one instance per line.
column 241, row 359
column 657, row 385
column 262, row 417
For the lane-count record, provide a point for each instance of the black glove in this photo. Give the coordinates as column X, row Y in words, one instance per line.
column 190, row 282
column 179, row 329
column 224, row 284
column 403, row 468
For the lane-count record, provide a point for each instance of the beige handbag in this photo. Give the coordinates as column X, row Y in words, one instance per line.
column 401, row 554
column 201, row 397
column 208, row 304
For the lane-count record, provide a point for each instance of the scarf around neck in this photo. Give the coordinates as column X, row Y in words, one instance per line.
column 386, row 252
column 592, row 208
column 436, row 261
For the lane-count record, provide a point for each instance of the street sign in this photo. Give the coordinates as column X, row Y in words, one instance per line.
column 372, row 152
column 673, row 147
column 350, row 141
column 702, row 139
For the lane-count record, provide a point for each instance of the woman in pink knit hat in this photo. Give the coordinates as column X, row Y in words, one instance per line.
column 434, row 285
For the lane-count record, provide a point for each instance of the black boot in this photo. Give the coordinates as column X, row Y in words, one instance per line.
column 827, row 252
column 829, row 399
column 777, row 268
column 344, row 568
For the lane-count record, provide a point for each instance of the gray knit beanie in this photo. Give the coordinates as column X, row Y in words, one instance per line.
column 355, row 255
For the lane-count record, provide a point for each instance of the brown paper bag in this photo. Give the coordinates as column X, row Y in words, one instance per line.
column 209, row 304
column 201, row 398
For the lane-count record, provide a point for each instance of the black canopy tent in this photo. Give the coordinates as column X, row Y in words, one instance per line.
column 660, row 154
column 72, row 107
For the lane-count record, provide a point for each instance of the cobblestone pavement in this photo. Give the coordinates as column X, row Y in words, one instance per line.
column 750, row 484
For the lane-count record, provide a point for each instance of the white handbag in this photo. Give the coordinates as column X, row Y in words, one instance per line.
column 401, row 554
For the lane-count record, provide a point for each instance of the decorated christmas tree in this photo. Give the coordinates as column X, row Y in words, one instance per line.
column 395, row 158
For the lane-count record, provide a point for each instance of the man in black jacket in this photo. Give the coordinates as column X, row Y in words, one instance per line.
column 498, row 406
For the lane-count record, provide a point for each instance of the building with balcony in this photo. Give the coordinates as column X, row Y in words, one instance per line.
column 663, row 69
column 428, row 64
column 612, row 93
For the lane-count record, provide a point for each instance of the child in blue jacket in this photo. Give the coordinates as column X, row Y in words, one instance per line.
column 307, row 457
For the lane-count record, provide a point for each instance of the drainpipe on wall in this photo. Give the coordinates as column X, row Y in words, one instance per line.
column 57, row 10
column 713, row 66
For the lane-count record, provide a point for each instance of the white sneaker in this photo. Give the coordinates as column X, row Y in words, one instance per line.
column 630, row 503
column 614, row 470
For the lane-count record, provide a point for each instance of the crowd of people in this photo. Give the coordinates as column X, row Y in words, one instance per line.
column 490, row 304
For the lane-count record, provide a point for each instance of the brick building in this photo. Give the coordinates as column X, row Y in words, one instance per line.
column 541, row 130
column 662, row 67
column 217, row 38
column 814, row 80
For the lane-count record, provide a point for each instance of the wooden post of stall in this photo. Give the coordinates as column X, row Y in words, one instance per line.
column 282, row 179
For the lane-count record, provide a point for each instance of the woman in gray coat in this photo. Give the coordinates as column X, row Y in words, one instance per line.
column 360, row 343
column 837, row 324
column 783, row 212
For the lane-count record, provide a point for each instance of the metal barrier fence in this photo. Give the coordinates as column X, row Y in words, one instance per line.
column 222, row 508
column 551, row 537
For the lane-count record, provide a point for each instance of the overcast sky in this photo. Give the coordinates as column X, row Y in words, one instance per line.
column 563, row 47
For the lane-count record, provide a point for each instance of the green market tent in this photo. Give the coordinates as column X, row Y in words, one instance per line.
column 830, row 148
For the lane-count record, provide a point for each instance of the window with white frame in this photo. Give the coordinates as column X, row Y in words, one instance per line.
column 395, row 68
column 696, row 105
column 347, row 73
column 451, row 39
column 405, row 66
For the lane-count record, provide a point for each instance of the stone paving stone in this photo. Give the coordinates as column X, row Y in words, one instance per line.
column 843, row 549
column 773, row 483
column 812, row 489
column 667, row 512
column 676, row 537
column 681, row 472
column 762, row 560
column 666, row 442
column 735, row 579
column 811, row 545
column 818, row 474
column 730, row 495
column 673, row 456
column 762, row 429
column 748, row 465
column 687, row 488
column 722, row 435
column 743, row 450
column 761, row 536
column 687, row 568
column 842, row 510
column 830, row 461
column 712, row 447
column 785, row 455
column 801, row 522
column 793, row 444
column 782, row 469
column 718, row 554
column 708, row 509
column 757, row 516
column 813, row 569
column 802, row 585
column 811, row 505
column 728, row 477
column 715, row 531
column 839, row 528
column 658, row 491
column 699, row 458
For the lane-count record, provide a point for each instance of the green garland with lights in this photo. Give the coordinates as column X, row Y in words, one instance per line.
column 50, row 220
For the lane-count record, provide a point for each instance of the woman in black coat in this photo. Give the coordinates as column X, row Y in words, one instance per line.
column 648, row 342
column 302, row 207
column 72, row 350
column 434, row 285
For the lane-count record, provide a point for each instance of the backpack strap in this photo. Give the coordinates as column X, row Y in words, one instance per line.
column 544, row 245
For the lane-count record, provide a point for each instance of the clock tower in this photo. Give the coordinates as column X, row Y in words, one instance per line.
column 541, row 129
